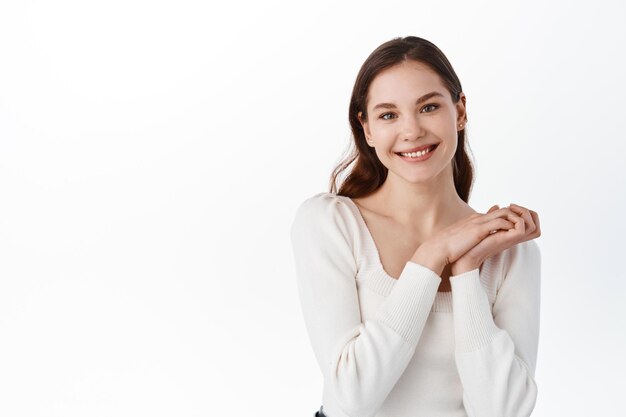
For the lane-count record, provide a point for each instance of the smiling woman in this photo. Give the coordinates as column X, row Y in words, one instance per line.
column 415, row 303
column 433, row 116
column 402, row 69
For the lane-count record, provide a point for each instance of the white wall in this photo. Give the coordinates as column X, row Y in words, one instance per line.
column 153, row 153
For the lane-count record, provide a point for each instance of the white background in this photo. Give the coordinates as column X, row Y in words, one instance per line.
column 153, row 153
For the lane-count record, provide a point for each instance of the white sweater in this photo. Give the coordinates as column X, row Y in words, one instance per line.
column 400, row 348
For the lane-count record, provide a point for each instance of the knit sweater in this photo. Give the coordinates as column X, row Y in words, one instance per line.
column 391, row 347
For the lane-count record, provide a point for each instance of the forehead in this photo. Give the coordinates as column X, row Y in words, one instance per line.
column 404, row 83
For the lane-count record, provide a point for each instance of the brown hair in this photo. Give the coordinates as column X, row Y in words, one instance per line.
column 369, row 173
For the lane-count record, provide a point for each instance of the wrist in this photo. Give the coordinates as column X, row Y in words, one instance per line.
column 462, row 267
column 427, row 255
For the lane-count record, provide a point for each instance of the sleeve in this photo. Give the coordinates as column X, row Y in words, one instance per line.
column 496, row 354
column 361, row 361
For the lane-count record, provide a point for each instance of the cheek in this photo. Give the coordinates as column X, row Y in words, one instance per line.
column 451, row 146
column 383, row 130
column 449, row 140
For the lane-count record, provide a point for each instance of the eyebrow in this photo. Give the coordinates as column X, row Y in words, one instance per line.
column 418, row 101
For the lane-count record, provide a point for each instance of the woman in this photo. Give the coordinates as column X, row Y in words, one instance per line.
column 416, row 304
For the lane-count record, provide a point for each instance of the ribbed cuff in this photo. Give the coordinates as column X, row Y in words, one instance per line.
column 473, row 321
column 408, row 305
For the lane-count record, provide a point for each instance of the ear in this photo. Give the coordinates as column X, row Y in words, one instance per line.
column 461, row 111
column 366, row 127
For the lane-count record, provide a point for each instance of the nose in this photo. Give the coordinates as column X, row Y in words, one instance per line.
column 412, row 128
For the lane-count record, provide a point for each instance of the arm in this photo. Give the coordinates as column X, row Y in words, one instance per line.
column 361, row 361
column 496, row 355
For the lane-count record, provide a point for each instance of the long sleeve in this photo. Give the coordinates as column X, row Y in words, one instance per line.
column 361, row 361
column 496, row 354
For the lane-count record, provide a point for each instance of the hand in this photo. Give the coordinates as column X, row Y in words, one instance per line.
column 526, row 228
column 454, row 241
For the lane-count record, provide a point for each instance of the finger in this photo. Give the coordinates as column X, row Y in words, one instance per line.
column 493, row 244
column 525, row 214
column 495, row 225
column 494, row 207
column 503, row 212
column 520, row 226
column 535, row 216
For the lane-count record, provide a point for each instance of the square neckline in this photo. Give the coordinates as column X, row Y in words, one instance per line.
column 383, row 282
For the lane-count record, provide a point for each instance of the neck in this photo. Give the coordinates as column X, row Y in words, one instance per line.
column 425, row 207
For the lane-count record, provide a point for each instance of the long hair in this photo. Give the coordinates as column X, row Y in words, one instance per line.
column 368, row 172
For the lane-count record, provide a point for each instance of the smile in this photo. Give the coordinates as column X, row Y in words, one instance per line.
column 417, row 156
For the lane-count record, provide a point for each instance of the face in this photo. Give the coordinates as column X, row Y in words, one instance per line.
column 402, row 115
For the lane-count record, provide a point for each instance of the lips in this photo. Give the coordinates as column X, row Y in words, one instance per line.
column 419, row 148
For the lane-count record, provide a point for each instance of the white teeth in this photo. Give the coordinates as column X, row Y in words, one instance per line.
column 416, row 154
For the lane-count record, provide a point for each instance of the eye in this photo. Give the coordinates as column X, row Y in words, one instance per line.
column 382, row 116
column 436, row 106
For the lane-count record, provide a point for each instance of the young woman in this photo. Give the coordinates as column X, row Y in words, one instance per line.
column 416, row 304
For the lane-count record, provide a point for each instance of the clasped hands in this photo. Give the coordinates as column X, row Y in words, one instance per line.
column 466, row 244
column 495, row 231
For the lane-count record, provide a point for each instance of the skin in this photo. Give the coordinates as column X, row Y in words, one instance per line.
column 421, row 196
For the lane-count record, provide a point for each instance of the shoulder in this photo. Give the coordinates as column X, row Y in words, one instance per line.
column 527, row 253
column 521, row 263
column 324, row 216
column 320, row 202
column 323, row 206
